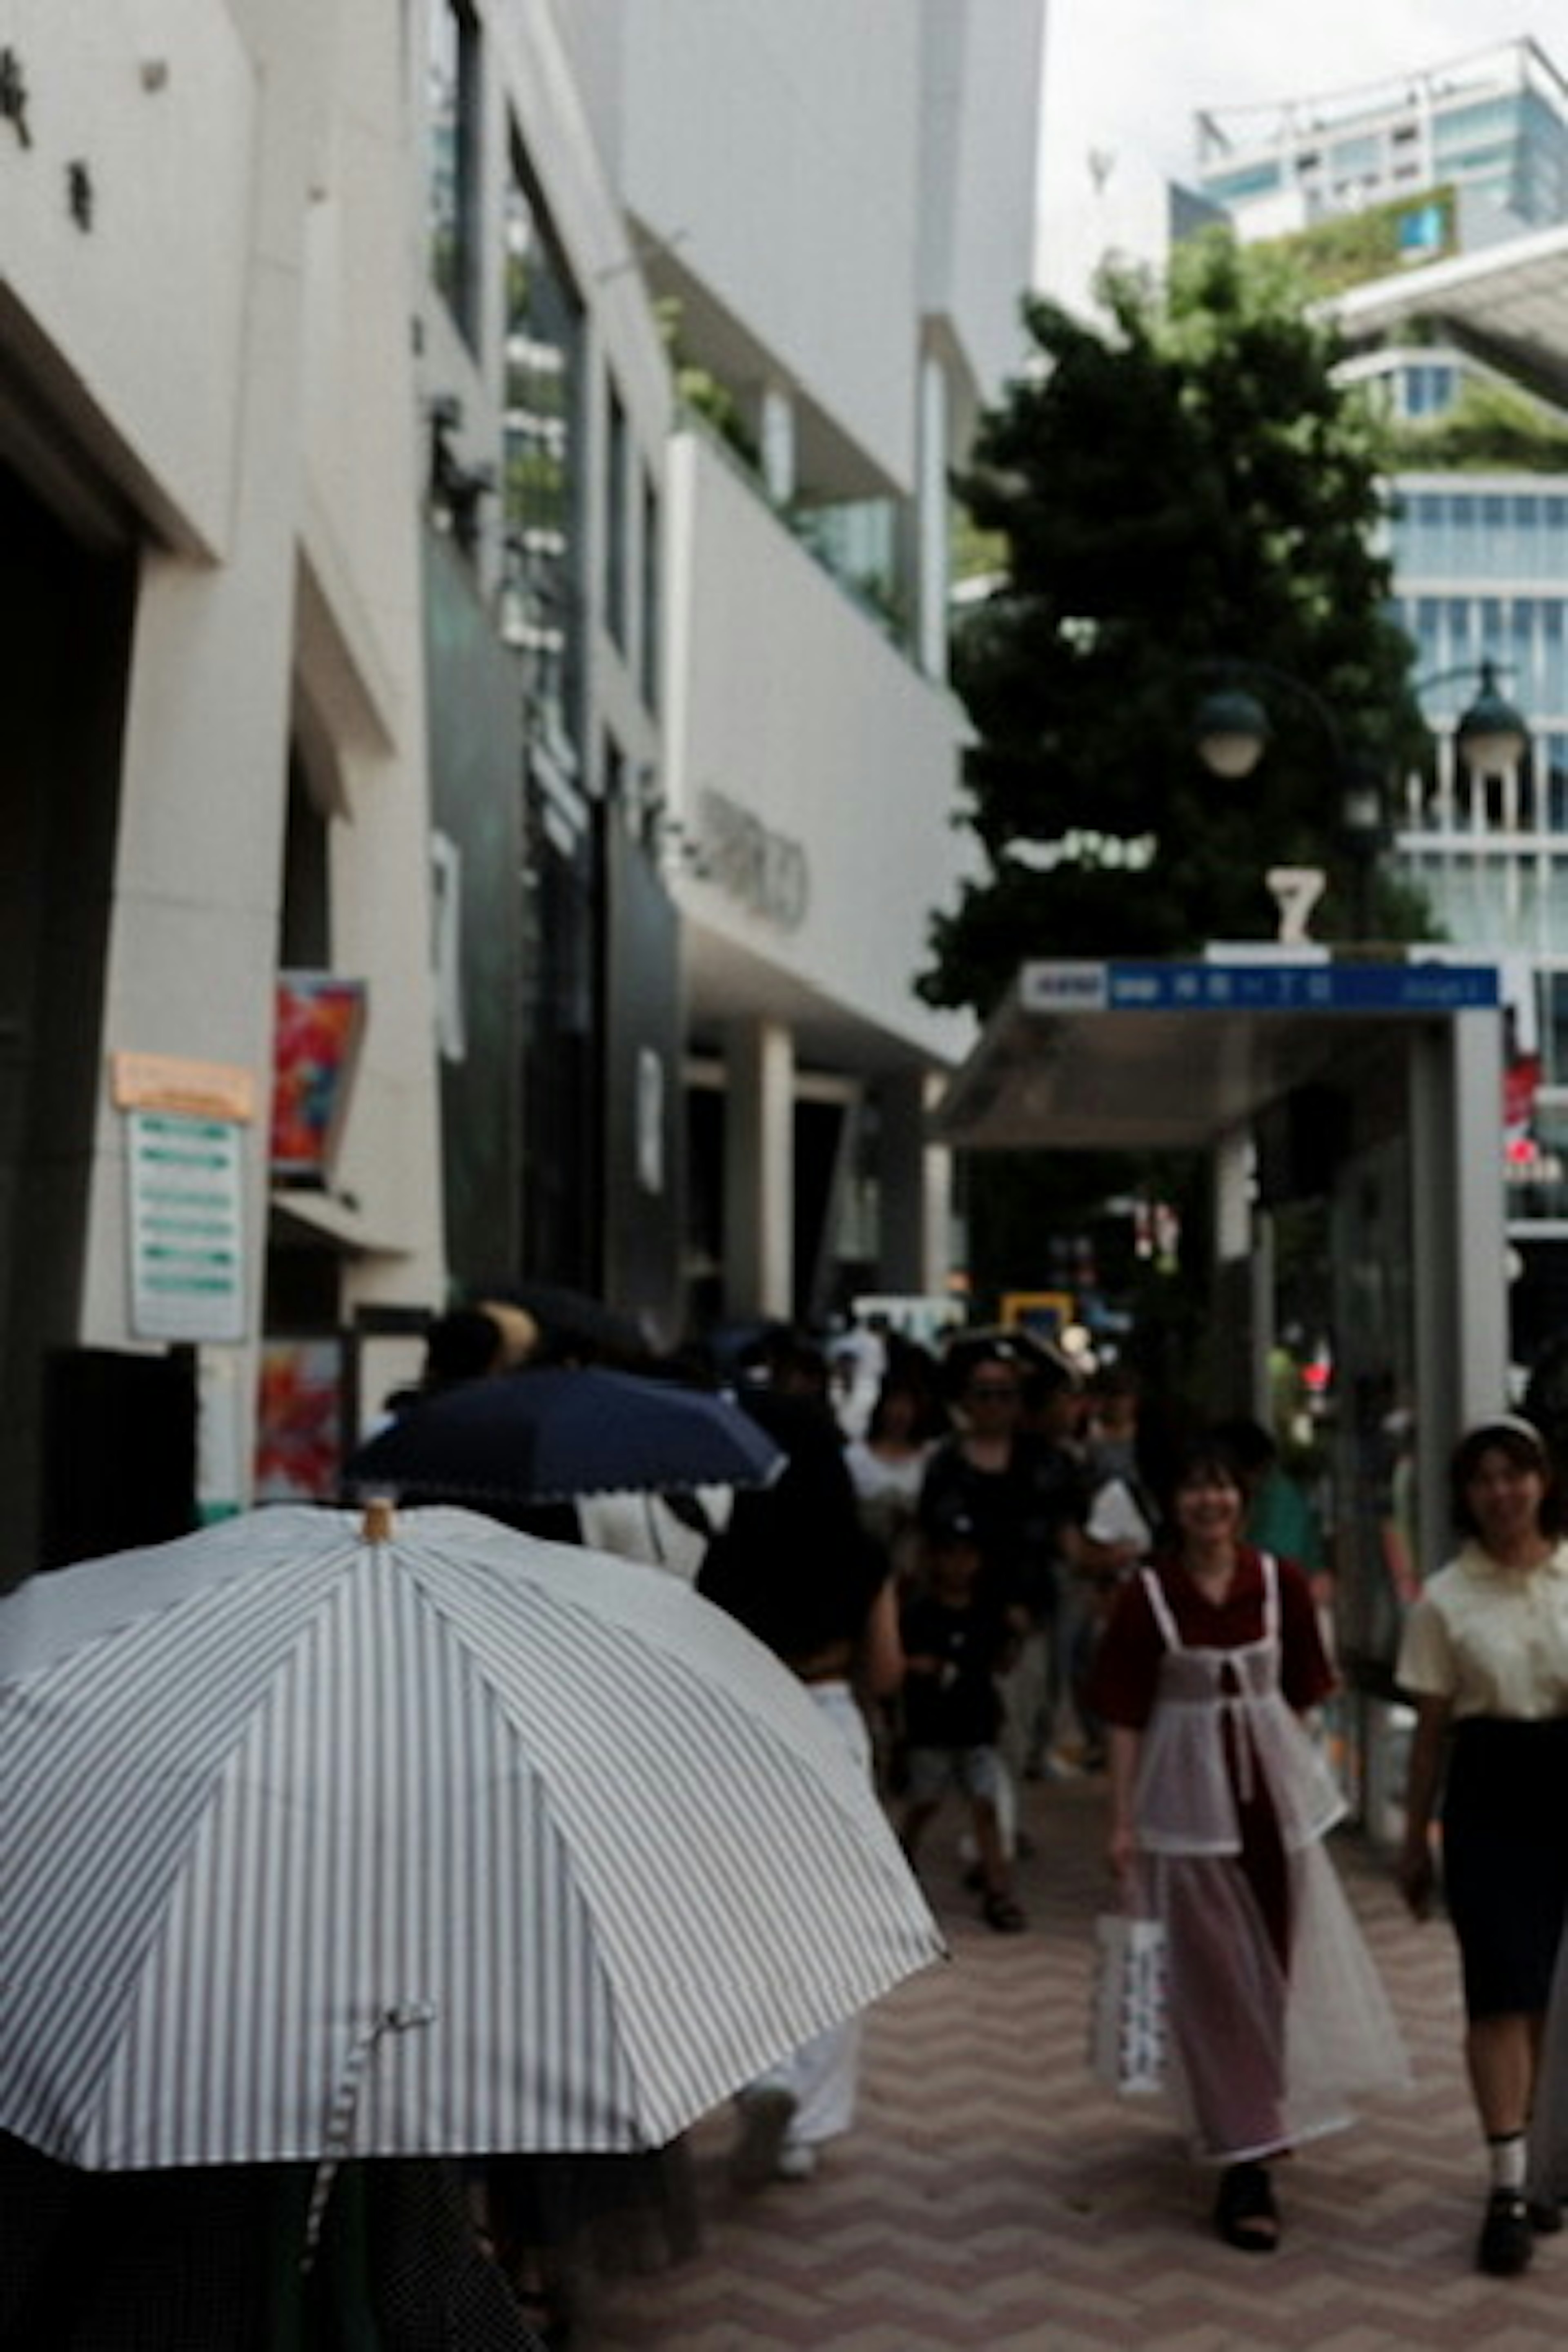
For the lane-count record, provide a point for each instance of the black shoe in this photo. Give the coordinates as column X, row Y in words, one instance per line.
column 767, row 2112
column 1245, row 2213
column 1507, row 2241
column 1545, row 2216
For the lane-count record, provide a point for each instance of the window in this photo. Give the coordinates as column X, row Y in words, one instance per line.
column 304, row 930
column 454, row 90
column 542, row 582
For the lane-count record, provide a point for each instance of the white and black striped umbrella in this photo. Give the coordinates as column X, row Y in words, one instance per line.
column 436, row 1840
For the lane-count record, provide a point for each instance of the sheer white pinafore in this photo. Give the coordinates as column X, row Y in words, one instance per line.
column 1220, row 1726
column 1268, row 2049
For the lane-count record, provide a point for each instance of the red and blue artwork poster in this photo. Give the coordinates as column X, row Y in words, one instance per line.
column 319, row 1023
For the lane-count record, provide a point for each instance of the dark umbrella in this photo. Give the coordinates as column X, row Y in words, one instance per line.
column 560, row 1432
column 574, row 1322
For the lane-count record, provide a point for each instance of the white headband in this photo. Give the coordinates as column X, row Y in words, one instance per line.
column 1512, row 1424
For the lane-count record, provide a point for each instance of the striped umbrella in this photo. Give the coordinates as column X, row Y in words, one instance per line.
column 422, row 1838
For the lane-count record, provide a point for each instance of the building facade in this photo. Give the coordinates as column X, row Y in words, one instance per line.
column 1461, row 175
column 215, row 770
column 478, row 761
column 836, row 251
column 1493, row 126
column 1480, row 553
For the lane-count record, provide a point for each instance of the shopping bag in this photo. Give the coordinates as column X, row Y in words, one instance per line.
column 1127, row 2026
column 1114, row 1517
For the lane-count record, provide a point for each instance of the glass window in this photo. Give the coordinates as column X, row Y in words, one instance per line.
column 1356, row 158
column 1555, row 536
column 543, row 582
column 453, row 179
column 1249, row 180
column 1552, row 694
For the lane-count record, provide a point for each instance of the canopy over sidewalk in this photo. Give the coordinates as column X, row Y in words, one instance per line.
column 1153, row 1055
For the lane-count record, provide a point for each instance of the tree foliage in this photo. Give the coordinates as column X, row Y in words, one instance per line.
column 1185, row 497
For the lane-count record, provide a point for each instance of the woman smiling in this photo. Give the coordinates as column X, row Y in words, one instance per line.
column 1220, row 1807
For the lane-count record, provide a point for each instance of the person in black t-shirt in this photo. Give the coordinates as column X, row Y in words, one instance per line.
column 957, row 1639
column 796, row 1568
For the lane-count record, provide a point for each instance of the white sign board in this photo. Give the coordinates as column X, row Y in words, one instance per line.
column 187, row 1258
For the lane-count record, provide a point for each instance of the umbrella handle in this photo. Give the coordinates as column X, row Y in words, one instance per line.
column 340, row 2132
column 380, row 1521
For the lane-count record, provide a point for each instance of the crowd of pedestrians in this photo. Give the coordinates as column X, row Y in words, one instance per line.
column 988, row 1562
column 1087, row 1580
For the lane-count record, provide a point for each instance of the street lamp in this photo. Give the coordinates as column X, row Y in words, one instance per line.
column 1491, row 736
column 1231, row 732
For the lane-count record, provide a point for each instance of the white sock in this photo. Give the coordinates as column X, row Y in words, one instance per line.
column 1506, row 2150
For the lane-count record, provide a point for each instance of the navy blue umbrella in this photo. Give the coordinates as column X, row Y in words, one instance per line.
column 555, row 1434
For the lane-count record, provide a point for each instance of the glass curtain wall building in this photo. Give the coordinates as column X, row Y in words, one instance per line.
column 1480, row 567
column 1453, row 178
column 1494, row 125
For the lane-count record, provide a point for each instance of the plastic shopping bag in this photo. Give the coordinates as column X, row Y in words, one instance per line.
column 1127, row 2027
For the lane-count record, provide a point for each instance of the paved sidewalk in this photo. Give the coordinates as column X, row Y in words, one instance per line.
column 992, row 2195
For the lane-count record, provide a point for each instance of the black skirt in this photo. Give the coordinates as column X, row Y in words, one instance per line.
column 1505, row 1859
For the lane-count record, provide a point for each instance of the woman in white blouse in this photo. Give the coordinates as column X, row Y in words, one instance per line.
column 1485, row 1659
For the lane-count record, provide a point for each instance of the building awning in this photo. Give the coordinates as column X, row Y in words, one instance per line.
column 1506, row 297
column 1168, row 1055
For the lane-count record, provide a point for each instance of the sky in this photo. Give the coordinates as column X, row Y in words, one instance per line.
column 1123, row 79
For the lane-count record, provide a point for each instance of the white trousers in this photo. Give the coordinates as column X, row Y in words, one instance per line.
column 822, row 2076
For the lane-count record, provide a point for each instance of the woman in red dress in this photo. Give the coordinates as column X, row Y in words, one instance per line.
column 1220, row 1802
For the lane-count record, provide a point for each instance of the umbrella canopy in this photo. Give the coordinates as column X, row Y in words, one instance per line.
column 563, row 1432
column 574, row 1323
column 433, row 1841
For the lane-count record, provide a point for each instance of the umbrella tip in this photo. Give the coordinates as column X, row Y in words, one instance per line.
column 379, row 1521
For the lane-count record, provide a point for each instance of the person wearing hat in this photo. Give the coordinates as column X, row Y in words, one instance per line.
column 957, row 1639
column 1484, row 1659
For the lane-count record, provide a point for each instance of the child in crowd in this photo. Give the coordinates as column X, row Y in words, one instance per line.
column 957, row 1641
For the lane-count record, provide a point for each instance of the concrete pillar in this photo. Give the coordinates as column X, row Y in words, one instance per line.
column 914, row 1184
column 933, row 531
column 1458, row 1237
column 777, row 423
column 758, row 1171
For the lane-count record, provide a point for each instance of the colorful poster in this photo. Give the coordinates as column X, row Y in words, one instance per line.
column 300, row 1420
column 318, row 1025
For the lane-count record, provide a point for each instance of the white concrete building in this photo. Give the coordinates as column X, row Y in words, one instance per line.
column 835, row 209
column 1492, row 126
column 211, row 649
column 361, row 525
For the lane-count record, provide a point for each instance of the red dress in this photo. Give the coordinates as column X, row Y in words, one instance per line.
column 1275, row 2008
column 1131, row 1656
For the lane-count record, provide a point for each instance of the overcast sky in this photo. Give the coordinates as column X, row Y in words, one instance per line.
column 1124, row 78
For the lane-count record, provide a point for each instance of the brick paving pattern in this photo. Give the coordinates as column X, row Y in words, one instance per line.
column 992, row 2195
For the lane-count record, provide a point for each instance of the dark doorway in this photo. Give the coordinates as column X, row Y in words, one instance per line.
column 64, row 656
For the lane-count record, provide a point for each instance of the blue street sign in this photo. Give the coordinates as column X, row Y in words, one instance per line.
column 1263, row 987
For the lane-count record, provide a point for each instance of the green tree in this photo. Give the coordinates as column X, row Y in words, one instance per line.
column 1183, row 498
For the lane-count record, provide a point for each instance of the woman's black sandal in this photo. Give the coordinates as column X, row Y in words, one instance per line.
column 1245, row 2212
